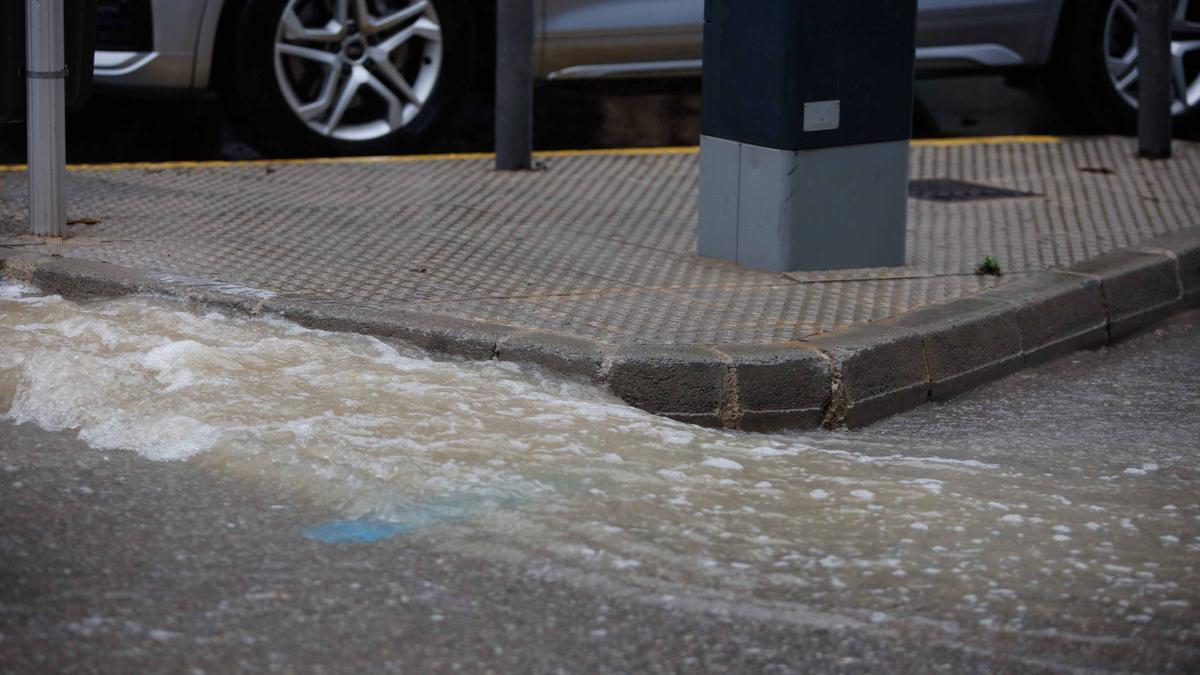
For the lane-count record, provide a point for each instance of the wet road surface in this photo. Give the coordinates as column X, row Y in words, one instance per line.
column 252, row 494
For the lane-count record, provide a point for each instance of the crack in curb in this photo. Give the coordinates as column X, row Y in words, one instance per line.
column 1108, row 319
column 928, row 368
column 730, row 411
column 837, row 406
column 607, row 359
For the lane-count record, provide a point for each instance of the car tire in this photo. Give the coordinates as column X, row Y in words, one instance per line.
column 1090, row 31
column 277, row 74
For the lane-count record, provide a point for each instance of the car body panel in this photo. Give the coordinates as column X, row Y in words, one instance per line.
column 206, row 43
column 616, row 38
column 581, row 33
column 586, row 39
column 172, row 63
column 1015, row 25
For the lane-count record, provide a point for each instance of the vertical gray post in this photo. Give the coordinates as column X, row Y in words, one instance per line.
column 1154, row 79
column 514, row 84
column 46, row 73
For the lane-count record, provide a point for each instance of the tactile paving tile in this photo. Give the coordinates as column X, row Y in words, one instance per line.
column 601, row 245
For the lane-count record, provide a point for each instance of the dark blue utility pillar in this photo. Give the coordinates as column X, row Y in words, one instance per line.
column 807, row 115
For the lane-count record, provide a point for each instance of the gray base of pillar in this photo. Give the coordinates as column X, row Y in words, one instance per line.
column 785, row 210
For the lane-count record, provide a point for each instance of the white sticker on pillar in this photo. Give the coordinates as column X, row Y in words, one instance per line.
column 822, row 115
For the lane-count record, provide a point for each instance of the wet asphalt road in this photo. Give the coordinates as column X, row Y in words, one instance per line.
column 113, row 563
column 110, row 563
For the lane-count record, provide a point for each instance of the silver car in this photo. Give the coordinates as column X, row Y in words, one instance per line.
column 368, row 76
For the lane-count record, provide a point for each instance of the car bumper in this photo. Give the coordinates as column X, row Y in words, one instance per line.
column 143, row 69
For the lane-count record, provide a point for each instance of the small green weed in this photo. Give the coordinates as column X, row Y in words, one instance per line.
column 989, row 267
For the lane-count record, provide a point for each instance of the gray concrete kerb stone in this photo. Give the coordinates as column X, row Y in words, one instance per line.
column 1056, row 313
column 559, row 353
column 442, row 335
column 1184, row 247
column 692, row 384
column 770, row 387
column 82, row 279
column 74, row 278
column 941, row 351
column 877, row 370
column 967, row 342
column 1139, row 288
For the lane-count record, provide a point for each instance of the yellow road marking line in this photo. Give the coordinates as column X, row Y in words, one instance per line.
column 985, row 140
column 547, row 154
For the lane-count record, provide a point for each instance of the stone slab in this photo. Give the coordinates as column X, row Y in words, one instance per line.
column 967, row 342
column 1184, row 246
column 565, row 355
column 1056, row 314
column 879, row 370
column 779, row 386
column 674, row 381
column 1139, row 288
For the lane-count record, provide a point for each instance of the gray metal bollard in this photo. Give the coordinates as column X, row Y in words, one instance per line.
column 46, row 120
column 1154, row 78
column 514, row 85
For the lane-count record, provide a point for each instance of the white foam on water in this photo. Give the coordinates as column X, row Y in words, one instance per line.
column 159, row 437
column 505, row 460
column 722, row 463
column 15, row 291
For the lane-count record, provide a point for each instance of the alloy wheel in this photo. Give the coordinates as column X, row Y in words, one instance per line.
column 1121, row 53
column 357, row 70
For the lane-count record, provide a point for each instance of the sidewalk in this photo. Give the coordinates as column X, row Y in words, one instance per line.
column 587, row 268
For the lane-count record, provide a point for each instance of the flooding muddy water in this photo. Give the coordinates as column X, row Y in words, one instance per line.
column 1064, row 505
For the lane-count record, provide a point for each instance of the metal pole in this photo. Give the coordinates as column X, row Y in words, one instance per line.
column 45, row 73
column 1154, row 78
column 514, row 84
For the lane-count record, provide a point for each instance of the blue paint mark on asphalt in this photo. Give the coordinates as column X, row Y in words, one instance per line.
column 356, row 531
column 444, row 509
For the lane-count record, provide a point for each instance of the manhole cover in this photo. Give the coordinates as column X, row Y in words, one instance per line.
column 947, row 190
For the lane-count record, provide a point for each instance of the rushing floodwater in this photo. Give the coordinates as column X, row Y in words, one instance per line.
column 1069, row 506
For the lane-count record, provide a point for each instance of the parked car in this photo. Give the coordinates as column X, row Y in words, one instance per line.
column 368, row 76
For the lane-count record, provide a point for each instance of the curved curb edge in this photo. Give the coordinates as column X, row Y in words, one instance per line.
column 844, row 378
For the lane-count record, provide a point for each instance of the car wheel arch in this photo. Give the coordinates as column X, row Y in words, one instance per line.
column 1056, row 17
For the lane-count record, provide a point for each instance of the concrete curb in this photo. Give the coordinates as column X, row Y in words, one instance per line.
column 848, row 377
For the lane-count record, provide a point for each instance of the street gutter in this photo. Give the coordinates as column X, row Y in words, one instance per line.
column 844, row 378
